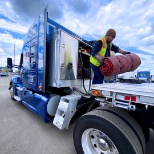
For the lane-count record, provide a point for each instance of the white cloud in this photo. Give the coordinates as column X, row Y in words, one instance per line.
column 147, row 62
column 7, row 46
column 14, row 27
column 132, row 19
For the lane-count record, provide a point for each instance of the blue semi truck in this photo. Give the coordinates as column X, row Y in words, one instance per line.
column 54, row 82
column 144, row 75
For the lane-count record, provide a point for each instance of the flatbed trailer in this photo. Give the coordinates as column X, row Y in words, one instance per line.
column 126, row 95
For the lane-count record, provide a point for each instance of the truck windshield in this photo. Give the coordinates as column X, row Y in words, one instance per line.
column 143, row 74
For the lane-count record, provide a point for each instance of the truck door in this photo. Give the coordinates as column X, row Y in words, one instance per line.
column 34, row 55
column 29, row 72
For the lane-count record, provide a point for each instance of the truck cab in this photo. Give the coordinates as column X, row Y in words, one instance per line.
column 53, row 56
column 144, row 75
column 54, row 61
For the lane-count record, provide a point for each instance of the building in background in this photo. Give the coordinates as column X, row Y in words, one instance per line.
column 1, row 69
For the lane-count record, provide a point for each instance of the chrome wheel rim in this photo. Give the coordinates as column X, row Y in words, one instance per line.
column 11, row 92
column 96, row 142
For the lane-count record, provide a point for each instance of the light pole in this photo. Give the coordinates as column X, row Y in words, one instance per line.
column 14, row 54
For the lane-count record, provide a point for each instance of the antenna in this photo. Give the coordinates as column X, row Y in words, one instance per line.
column 14, row 53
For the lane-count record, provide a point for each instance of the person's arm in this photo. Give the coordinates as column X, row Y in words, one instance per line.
column 124, row 52
column 116, row 49
column 121, row 51
column 96, row 48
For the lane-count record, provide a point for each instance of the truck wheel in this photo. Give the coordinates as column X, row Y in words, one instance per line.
column 139, row 131
column 12, row 91
column 102, row 132
column 146, row 132
column 143, row 132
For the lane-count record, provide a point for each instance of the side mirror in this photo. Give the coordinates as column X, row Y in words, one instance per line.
column 9, row 62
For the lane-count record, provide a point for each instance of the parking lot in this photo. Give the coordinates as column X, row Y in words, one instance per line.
column 23, row 132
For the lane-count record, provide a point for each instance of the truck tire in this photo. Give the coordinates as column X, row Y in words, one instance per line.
column 146, row 132
column 130, row 121
column 102, row 132
column 12, row 91
column 143, row 132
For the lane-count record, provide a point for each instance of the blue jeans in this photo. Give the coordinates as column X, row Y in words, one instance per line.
column 98, row 76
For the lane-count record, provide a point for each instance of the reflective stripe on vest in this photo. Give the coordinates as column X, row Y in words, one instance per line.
column 102, row 52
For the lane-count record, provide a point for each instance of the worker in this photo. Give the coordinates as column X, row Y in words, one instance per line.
column 101, row 49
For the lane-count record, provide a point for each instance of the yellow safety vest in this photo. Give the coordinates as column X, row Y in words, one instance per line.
column 102, row 52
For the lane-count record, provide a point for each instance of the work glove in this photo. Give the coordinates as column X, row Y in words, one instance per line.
column 100, row 59
column 126, row 52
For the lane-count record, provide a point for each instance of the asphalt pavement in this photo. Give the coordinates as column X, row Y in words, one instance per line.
column 23, row 132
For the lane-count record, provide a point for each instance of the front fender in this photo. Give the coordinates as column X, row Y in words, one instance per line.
column 16, row 79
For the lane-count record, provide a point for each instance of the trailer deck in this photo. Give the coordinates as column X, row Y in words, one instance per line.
column 142, row 93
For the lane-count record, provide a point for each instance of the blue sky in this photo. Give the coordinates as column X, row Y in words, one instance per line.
column 132, row 19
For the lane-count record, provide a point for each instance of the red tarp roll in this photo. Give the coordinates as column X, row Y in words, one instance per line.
column 120, row 64
column 125, row 63
column 136, row 61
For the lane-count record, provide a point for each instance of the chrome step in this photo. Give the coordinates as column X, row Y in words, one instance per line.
column 17, row 98
column 20, row 89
